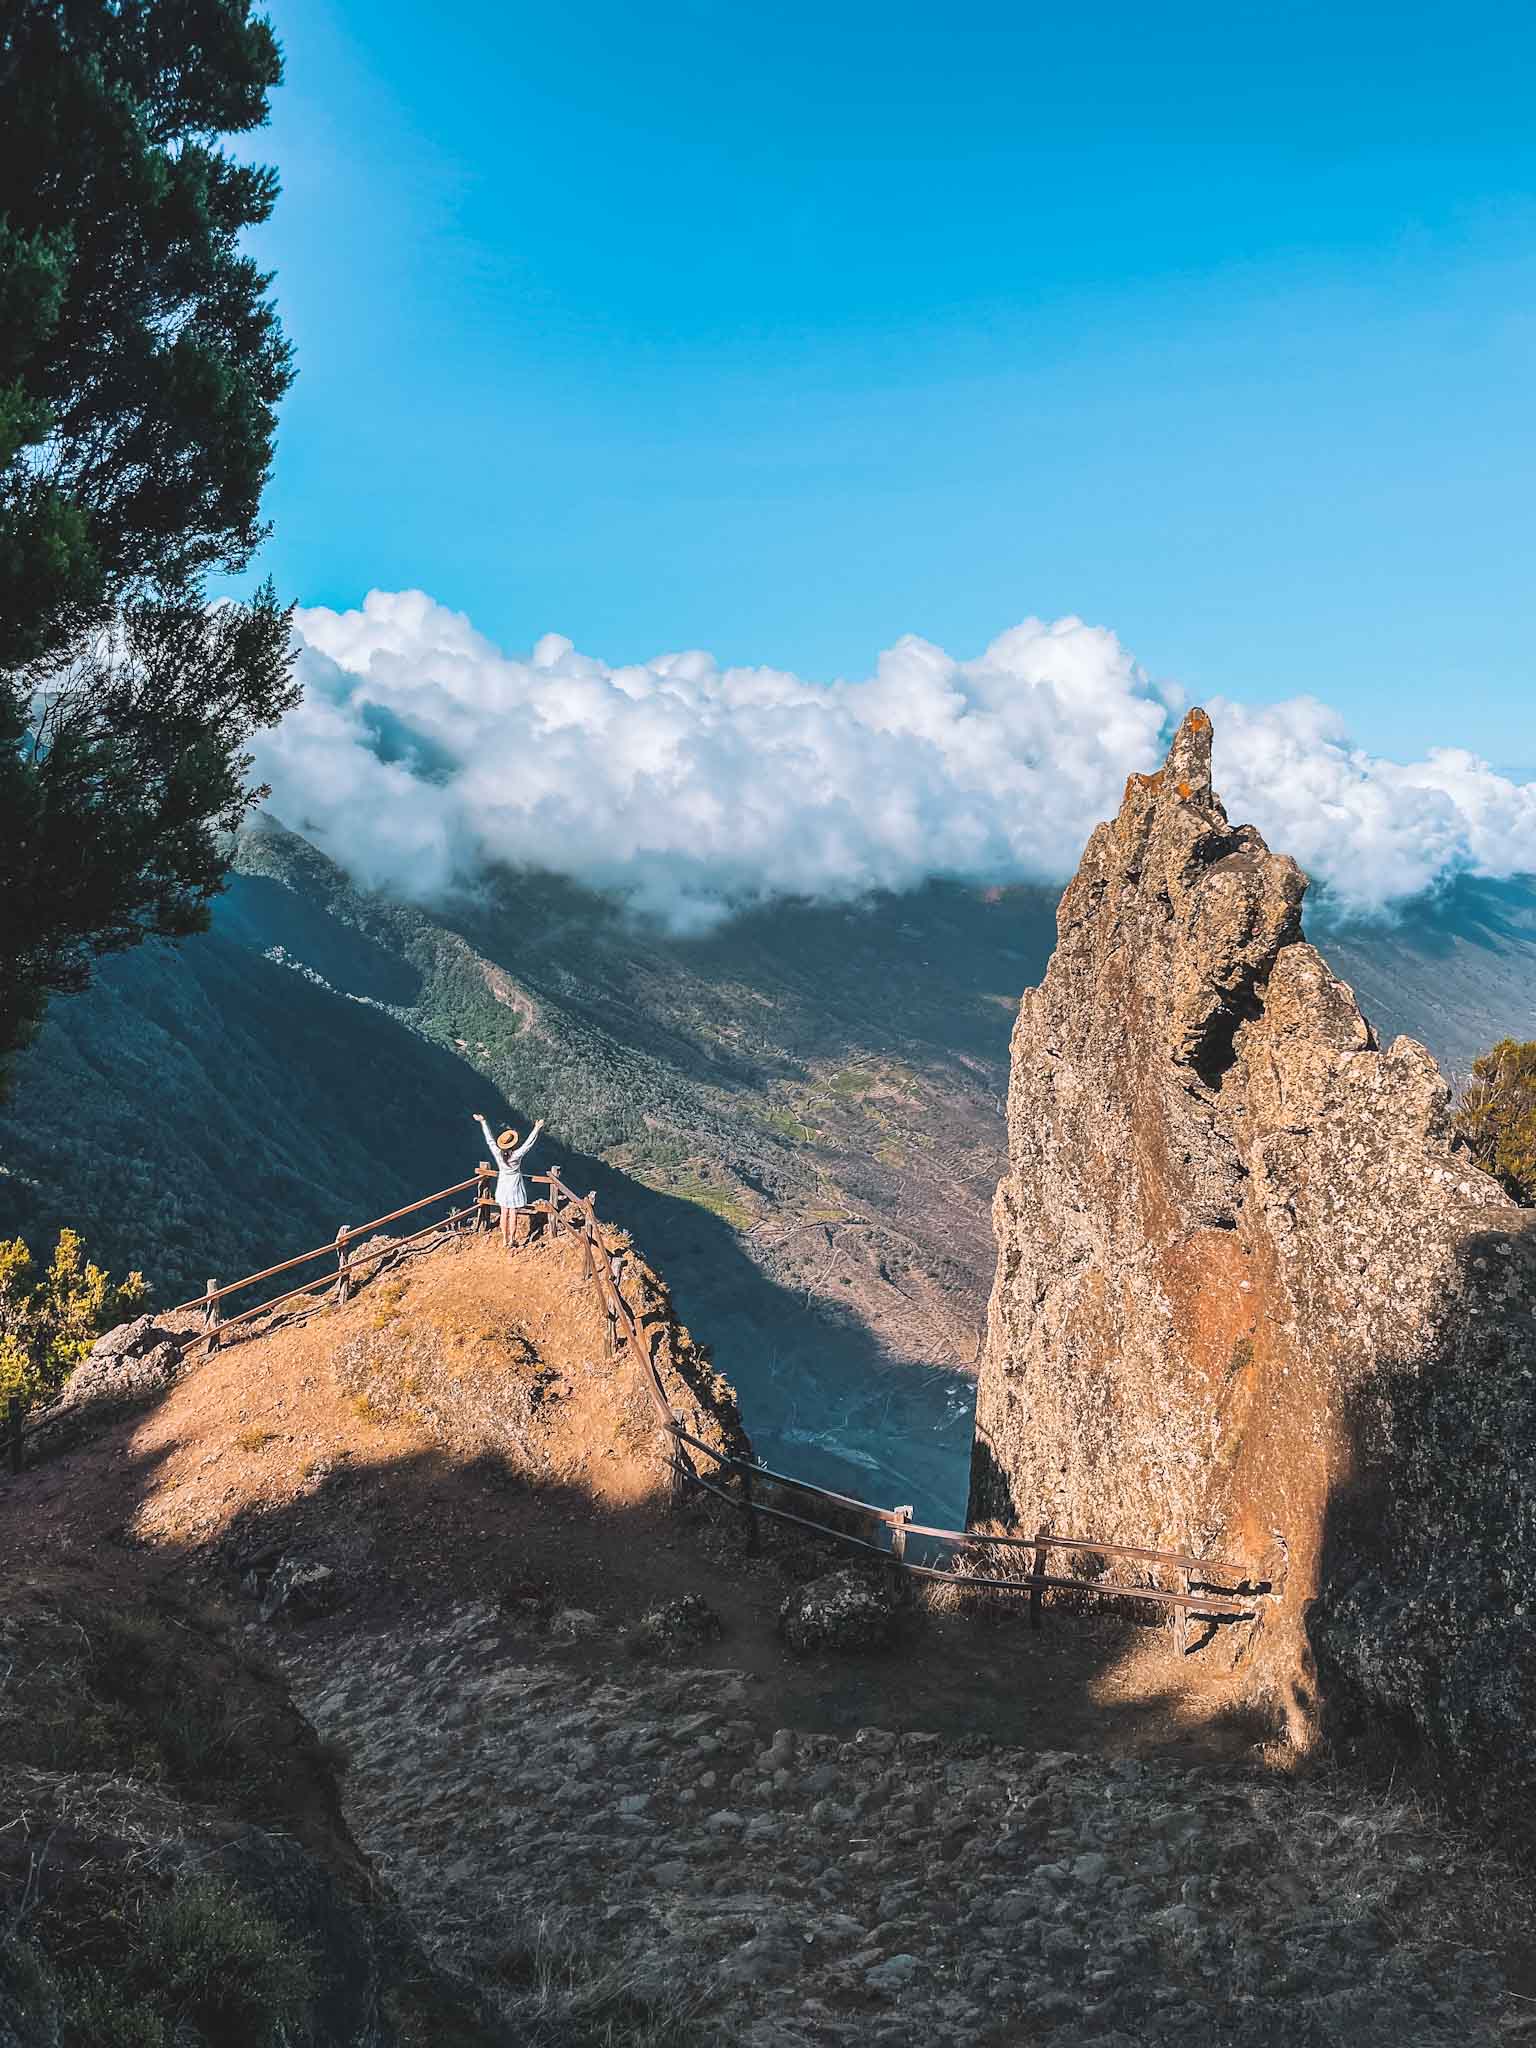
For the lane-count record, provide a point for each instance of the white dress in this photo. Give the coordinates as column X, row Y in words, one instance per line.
column 511, row 1188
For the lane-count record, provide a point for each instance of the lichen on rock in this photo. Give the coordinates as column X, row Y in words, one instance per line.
column 1248, row 1289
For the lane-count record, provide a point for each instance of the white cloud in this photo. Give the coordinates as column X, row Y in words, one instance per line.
column 421, row 751
column 1376, row 831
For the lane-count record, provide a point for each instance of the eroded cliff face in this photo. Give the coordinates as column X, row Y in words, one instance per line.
column 1246, row 1286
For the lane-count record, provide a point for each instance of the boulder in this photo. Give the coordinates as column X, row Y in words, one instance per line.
column 683, row 1624
column 1252, row 1300
column 132, row 1363
column 298, row 1588
column 851, row 1609
column 130, row 1340
column 575, row 1625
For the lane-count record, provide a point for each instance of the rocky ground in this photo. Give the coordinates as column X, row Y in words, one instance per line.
column 175, row 1869
column 788, row 1889
column 675, row 1821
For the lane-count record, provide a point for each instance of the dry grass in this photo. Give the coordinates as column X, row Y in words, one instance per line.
column 118, row 1721
column 172, row 1847
column 956, row 1592
column 959, row 1593
column 488, row 1353
column 557, row 1992
column 1446, row 1898
column 490, row 1374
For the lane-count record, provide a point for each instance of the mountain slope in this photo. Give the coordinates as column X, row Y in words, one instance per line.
column 1456, row 970
column 795, row 1115
column 799, row 1113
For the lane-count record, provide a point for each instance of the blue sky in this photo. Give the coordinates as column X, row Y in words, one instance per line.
column 783, row 331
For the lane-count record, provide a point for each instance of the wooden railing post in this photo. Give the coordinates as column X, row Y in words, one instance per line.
column 212, row 1316
column 1037, row 1590
column 1181, row 1617
column 753, row 1539
column 899, row 1550
column 677, row 1471
column 554, row 1201
column 323, row 1250
column 1275, row 1565
column 343, row 1277
column 484, row 1199
column 608, row 1287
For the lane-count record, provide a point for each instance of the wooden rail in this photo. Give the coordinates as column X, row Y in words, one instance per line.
column 217, row 1293
column 340, row 1280
column 1220, row 1601
column 567, row 1210
column 1229, row 1603
column 215, row 1324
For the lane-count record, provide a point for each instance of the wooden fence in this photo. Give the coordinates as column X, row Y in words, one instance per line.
column 215, row 1325
column 569, row 1213
column 348, row 1261
column 1195, row 1599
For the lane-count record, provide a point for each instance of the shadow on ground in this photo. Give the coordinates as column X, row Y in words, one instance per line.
column 1424, row 1634
column 409, row 1538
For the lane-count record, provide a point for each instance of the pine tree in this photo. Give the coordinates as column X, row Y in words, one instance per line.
column 1496, row 1116
column 141, row 365
column 49, row 1321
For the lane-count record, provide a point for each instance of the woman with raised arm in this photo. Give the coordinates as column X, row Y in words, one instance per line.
column 511, row 1188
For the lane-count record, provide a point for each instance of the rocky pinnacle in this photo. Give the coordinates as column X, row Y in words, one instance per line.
column 1251, row 1298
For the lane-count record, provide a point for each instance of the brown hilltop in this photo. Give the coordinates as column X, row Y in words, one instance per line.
column 1246, row 1286
column 459, row 1430
column 415, row 1436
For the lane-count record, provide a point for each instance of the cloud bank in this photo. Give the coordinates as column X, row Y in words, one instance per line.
column 422, row 751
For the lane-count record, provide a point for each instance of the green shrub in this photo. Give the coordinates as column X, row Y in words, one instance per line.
column 49, row 1321
column 789, row 1126
column 101, row 2012
column 136, row 1707
column 206, row 1955
column 198, row 1957
column 1496, row 1116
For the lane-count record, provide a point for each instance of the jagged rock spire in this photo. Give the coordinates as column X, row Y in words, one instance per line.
column 1187, row 771
column 1237, row 1251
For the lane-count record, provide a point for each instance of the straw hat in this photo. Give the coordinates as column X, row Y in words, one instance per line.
column 506, row 1141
